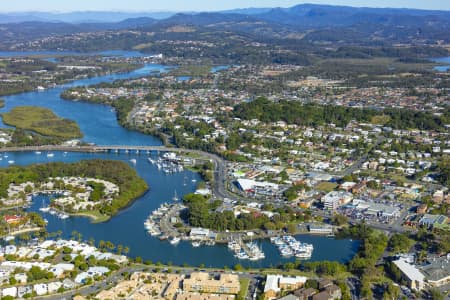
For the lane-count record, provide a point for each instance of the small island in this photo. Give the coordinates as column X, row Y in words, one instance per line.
column 42, row 121
column 93, row 188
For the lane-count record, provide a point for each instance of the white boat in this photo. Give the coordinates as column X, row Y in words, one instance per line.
column 63, row 216
column 11, row 162
column 175, row 241
column 196, row 244
column 50, row 154
column 175, row 196
column 38, row 152
column 133, row 161
column 44, row 209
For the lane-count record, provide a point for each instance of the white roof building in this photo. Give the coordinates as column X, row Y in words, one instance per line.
column 54, row 286
column 415, row 278
column 40, row 289
column 276, row 282
column 11, row 291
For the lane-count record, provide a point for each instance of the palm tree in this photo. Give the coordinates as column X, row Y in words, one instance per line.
column 110, row 245
column 126, row 250
column 119, row 249
column 74, row 234
column 101, row 244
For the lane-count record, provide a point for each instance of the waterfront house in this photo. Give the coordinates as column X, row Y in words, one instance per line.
column 276, row 283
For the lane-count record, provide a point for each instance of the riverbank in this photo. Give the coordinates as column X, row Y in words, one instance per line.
column 22, row 231
column 95, row 216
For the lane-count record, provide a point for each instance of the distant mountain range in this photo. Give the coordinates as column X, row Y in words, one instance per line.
column 308, row 22
column 79, row 17
column 304, row 14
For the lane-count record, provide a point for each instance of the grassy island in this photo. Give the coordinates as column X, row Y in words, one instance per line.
column 42, row 121
column 36, row 178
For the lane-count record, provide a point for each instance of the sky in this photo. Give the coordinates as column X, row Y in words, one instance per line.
column 198, row 5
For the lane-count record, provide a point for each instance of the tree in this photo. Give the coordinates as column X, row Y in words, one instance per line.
column 238, row 267
column 399, row 242
column 339, row 220
column 436, row 294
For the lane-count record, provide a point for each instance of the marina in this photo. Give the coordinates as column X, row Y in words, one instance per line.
column 99, row 125
column 251, row 251
column 289, row 246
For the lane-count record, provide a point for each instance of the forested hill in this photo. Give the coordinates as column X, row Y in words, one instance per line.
column 313, row 115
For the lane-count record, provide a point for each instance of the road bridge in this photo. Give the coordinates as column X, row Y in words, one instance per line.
column 218, row 187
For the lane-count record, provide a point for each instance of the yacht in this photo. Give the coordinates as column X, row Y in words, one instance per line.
column 44, row 209
column 38, row 152
column 175, row 241
column 11, row 162
column 50, row 154
column 133, row 161
column 196, row 244
column 63, row 216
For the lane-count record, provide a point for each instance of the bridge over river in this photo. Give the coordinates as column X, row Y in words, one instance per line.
column 219, row 189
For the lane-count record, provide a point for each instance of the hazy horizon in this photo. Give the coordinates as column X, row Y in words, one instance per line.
column 139, row 6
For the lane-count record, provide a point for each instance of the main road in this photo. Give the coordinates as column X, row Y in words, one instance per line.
column 219, row 189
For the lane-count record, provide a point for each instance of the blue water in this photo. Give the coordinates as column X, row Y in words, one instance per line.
column 99, row 125
column 98, row 122
column 120, row 53
column 445, row 64
column 219, row 68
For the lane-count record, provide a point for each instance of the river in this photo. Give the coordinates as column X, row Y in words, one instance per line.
column 445, row 61
column 99, row 125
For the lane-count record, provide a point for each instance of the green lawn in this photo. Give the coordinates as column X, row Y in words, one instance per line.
column 245, row 282
column 326, row 186
column 95, row 215
column 43, row 121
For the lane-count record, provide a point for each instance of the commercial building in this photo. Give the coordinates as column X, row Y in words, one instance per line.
column 334, row 199
column 437, row 271
column 433, row 220
column 433, row 274
column 411, row 274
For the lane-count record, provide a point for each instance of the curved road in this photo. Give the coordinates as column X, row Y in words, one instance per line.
column 219, row 189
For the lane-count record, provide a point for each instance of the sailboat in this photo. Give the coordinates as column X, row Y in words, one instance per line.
column 44, row 208
column 63, row 215
column 175, row 196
